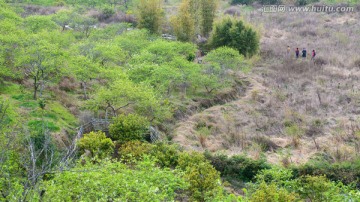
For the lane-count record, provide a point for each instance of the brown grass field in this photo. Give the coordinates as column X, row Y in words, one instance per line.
column 321, row 98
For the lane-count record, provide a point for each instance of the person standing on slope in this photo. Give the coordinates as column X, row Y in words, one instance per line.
column 297, row 52
column 288, row 51
column 304, row 53
column 313, row 54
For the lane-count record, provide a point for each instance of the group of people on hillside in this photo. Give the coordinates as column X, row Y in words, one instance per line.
column 303, row 53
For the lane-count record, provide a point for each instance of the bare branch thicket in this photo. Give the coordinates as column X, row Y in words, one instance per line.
column 39, row 160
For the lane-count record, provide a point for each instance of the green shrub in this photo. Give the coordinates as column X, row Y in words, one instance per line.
column 346, row 172
column 319, row 188
column 165, row 155
column 107, row 12
column 203, row 178
column 271, row 193
column 114, row 181
column 238, row 167
column 226, row 58
column 129, row 127
column 97, row 143
column 134, row 151
column 187, row 159
column 237, row 35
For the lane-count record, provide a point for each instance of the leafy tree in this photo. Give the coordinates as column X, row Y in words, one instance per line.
column 125, row 95
column 183, row 23
column 150, row 15
column 162, row 51
column 37, row 23
column 237, row 35
column 134, row 41
column 97, row 143
column 63, row 18
column 107, row 54
column 129, row 127
column 40, row 60
column 83, row 69
column 84, row 25
column 166, row 66
column 10, row 41
column 217, row 65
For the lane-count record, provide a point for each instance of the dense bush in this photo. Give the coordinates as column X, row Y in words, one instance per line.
column 204, row 180
column 97, row 143
column 240, row 168
column 114, row 181
column 134, row 151
column 165, row 155
column 279, row 184
column 272, row 193
column 128, row 127
column 226, row 58
column 346, row 172
column 237, row 35
column 319, row 188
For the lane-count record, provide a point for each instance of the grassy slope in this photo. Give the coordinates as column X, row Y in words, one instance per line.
column 27, row 111
column 284, row 90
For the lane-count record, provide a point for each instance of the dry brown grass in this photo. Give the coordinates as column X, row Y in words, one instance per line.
column 68, row 84
column 40, row 10
column 325, row 89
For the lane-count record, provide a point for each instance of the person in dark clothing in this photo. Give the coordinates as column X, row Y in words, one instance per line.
column 313, row 54
column 297, row 52
column 304, row 53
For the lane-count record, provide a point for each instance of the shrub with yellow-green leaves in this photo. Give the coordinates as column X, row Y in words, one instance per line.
column 272, row 193
column 97, row 143
column 204, row 180
column 114, row 181
column 129, row 127
column 134, row 151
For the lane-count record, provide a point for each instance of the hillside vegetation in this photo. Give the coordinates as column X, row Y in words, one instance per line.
column 152, row 100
